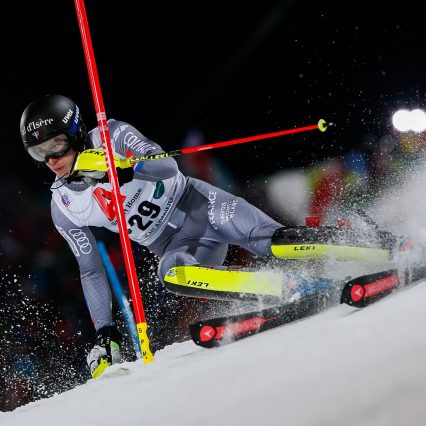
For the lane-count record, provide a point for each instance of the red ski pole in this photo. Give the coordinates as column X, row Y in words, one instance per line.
column 94, row 159
column 321, row 126
column 141, row 324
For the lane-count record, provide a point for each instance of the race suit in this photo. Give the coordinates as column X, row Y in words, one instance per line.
column 183, row 220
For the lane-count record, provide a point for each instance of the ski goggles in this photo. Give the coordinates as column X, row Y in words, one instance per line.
column 52, row 148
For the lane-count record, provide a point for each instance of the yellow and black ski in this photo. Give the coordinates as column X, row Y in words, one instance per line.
column 225, row 283
column 331, row 242
column 269, row 286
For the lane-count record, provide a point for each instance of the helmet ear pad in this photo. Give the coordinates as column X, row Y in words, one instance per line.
column 81, row 140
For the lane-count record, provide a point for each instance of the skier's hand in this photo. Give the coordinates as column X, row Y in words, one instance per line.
column 91, row 167
column 93, row 177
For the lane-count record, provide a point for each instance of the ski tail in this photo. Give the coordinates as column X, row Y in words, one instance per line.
column 366, row 289
column 216, row 332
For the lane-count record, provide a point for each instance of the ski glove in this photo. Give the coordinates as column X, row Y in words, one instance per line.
column 106, row 350
column 93, row 177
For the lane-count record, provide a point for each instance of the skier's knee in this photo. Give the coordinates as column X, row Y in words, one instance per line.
column 172, row 260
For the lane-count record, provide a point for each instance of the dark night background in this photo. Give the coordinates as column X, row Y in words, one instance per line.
column 232, row 69
column 228, row 69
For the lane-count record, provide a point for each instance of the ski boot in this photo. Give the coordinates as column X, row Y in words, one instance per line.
column 106, row 350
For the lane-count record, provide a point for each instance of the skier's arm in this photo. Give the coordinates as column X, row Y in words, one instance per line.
column 94, row 281
column 128, row 141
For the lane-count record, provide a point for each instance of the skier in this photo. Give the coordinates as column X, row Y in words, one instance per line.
column 182, row 220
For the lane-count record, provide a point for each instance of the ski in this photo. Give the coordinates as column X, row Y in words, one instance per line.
column 216, row 332
column 243, row 284
column 367, row 289
column 322, row 242
column 358, row 292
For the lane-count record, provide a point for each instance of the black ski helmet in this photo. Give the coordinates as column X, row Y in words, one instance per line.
column 50, row 116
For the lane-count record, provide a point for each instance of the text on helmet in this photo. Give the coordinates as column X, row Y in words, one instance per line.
column 68, row 115
column 37, row 124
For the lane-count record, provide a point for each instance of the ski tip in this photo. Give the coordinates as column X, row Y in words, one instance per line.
column 100, row 369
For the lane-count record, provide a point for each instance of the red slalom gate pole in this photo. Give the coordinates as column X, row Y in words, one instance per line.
column 141, row 324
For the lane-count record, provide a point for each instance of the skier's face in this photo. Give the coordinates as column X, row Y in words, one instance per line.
column 62, row 166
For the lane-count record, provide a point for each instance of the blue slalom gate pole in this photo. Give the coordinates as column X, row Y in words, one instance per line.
column 122, row 301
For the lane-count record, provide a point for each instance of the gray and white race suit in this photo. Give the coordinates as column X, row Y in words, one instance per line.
column 183, row 220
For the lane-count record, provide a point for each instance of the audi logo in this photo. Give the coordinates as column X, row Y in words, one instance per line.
column 81, row 239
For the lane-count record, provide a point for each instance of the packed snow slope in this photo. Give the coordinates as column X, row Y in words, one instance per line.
column 344, row 366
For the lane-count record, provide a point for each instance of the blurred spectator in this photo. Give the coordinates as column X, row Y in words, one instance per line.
column 355, row 178
column 327, row 183
column 205, row 165
column 288, row 195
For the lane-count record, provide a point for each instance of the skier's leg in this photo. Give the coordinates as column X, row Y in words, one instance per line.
column 213, row 219
column 221, row 216
column 190, row 252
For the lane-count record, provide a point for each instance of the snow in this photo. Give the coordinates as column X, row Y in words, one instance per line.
column 344, row 366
